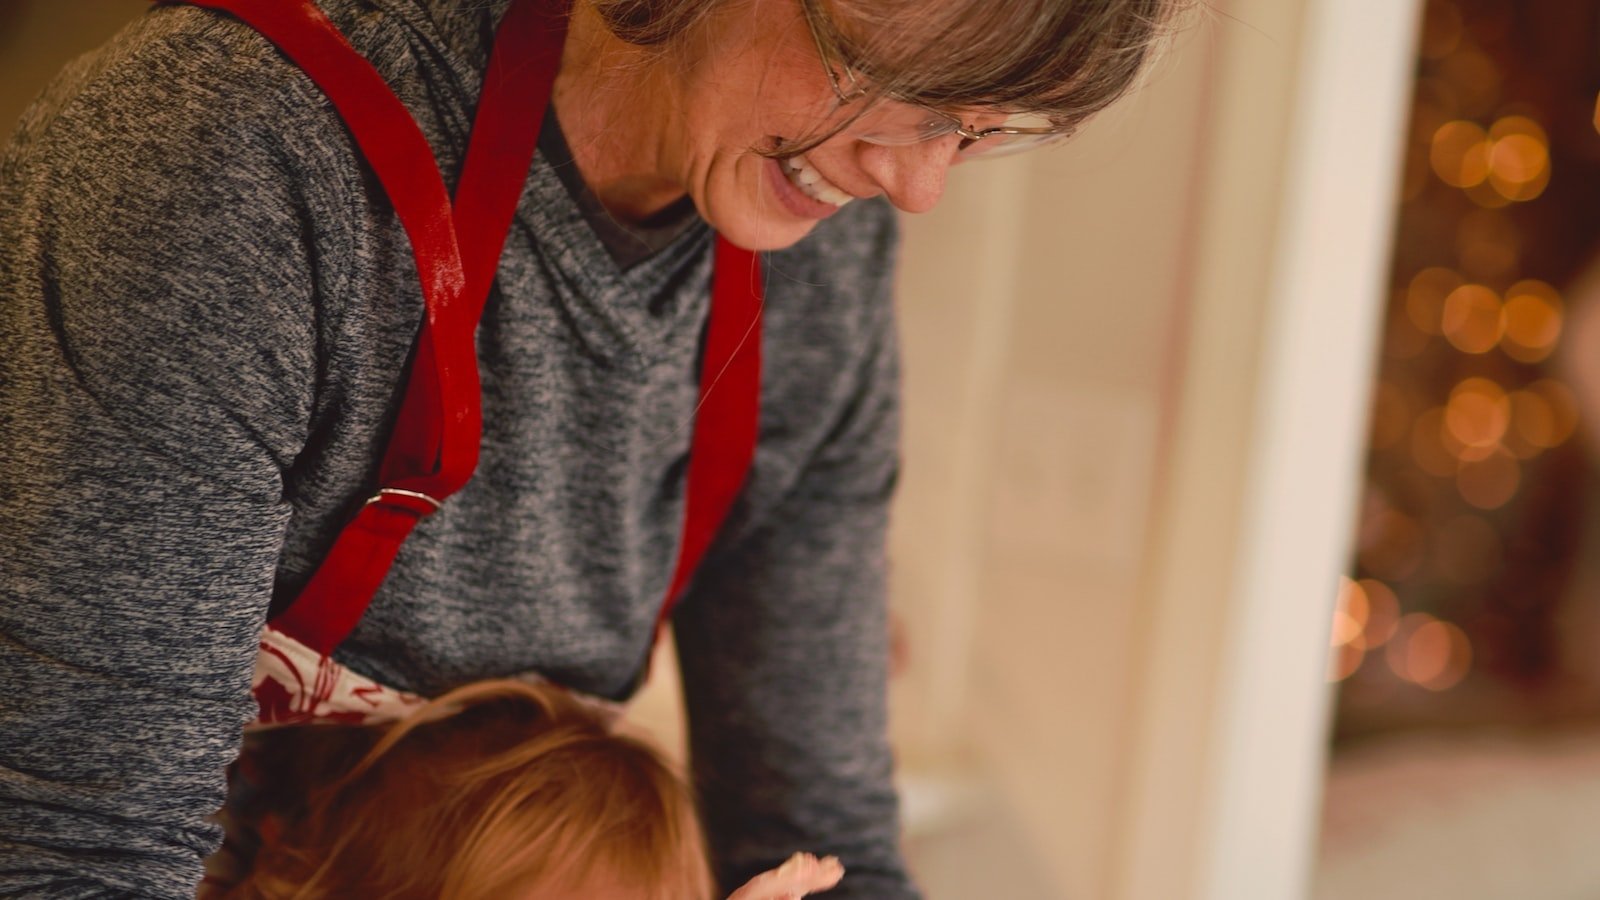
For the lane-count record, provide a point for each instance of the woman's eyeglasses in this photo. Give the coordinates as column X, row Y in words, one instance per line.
column 901, row 121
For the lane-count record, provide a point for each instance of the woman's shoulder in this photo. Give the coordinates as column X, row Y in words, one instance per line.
column 159, row 189
column 181, row 93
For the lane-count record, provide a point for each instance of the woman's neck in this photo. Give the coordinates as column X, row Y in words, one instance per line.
column 615, row 107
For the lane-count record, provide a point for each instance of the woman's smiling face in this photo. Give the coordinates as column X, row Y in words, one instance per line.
column 749, row 79
column 736, row 80
column 767, row 85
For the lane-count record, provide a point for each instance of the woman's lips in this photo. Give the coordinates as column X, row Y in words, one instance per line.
column 795, row 200
column 808, row 178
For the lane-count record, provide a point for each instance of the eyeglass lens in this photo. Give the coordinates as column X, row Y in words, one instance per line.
column 897, row 124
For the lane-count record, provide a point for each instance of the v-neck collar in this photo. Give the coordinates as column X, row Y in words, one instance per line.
column 631, row 315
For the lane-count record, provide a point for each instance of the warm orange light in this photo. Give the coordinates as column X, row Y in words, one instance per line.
column 1441, row 655
column 1519, row 167
column 1425, row 297
column 1383, row 612
column 1517, row 126
column 1398, row 651
column 1533, row 319
column 1350, row 613
column 1472, row 319
column 1460, row 154
column 1429, row 652
column 1459, row 451
column 1545, row 413
column 1490, row 482
column 1519, row 158
column 1478, row 413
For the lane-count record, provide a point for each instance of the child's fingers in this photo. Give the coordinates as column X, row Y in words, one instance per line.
column 800, row 874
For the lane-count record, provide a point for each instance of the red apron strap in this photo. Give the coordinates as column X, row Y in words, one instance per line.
column 430, row 455
column 511, row 108
column 724, row 443
column 505, row 132
column 434, row 448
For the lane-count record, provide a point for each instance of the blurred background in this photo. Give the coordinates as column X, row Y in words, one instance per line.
column 1466, row 737
column 1247, row 542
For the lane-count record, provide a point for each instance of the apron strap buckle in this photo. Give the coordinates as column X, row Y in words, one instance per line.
column 415, row 502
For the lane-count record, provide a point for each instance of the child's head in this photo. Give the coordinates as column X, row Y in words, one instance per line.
column 497, row 790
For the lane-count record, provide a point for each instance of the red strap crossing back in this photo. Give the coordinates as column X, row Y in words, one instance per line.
column 434, row 448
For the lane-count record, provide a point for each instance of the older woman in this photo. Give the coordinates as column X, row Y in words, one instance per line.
column 254, row 351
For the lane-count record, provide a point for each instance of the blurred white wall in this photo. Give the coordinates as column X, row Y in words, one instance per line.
column 1136, row 373
column 1039, row 304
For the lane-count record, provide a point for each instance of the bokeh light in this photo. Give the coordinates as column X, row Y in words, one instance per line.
column 1383, row 612
column 1533, row 319
column 1519, row 158
column 1350, row 614
column 1467, row 525
column 1429, row 652
column 1460, row 153
column 1478, row 413
column 1472, row 319
column 1347, row 638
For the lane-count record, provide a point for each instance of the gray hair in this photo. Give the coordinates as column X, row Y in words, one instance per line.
column 1065, row 59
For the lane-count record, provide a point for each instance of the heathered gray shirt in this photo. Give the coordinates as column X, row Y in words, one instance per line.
column 207, row 306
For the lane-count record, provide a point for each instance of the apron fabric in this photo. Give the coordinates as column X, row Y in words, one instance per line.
column 433, row 449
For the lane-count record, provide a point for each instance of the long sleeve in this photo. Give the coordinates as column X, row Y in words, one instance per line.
column 783, row 648
column 157, row 380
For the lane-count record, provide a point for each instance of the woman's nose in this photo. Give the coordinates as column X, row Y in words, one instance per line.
column 911, row 175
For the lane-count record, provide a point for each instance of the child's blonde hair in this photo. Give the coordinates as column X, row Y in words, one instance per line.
column 499, row 789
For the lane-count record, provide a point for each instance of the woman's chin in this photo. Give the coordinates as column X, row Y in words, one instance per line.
column 760, row 230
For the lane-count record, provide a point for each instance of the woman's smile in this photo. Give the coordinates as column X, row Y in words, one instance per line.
column 803, row 175
column 813, row 200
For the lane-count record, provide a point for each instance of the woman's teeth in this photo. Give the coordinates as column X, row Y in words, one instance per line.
column 811, row 183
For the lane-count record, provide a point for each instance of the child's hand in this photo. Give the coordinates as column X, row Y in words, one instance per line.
column 800, row 874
